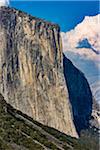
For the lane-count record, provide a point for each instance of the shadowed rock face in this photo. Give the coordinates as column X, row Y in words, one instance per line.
column 31, row 69
column 79, row 93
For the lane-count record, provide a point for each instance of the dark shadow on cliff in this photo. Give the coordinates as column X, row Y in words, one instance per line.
column 79, row 93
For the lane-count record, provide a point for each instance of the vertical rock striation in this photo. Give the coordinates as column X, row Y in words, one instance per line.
column 31, row 69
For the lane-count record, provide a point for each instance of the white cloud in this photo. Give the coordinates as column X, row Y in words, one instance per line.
column 4, row 3
column 89, row 28
column 85, row 58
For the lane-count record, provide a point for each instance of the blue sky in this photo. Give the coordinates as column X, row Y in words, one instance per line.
column 65, row 13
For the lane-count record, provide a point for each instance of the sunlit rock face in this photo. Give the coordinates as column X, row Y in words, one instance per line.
column 82, row 46
column 31, row 69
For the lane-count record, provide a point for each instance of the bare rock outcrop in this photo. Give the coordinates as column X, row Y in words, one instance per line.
column 31, row 69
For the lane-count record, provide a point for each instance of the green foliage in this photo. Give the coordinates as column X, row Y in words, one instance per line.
column 15, row 132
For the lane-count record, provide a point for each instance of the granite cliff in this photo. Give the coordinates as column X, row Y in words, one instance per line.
column 80, row 95
column 31, row 69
